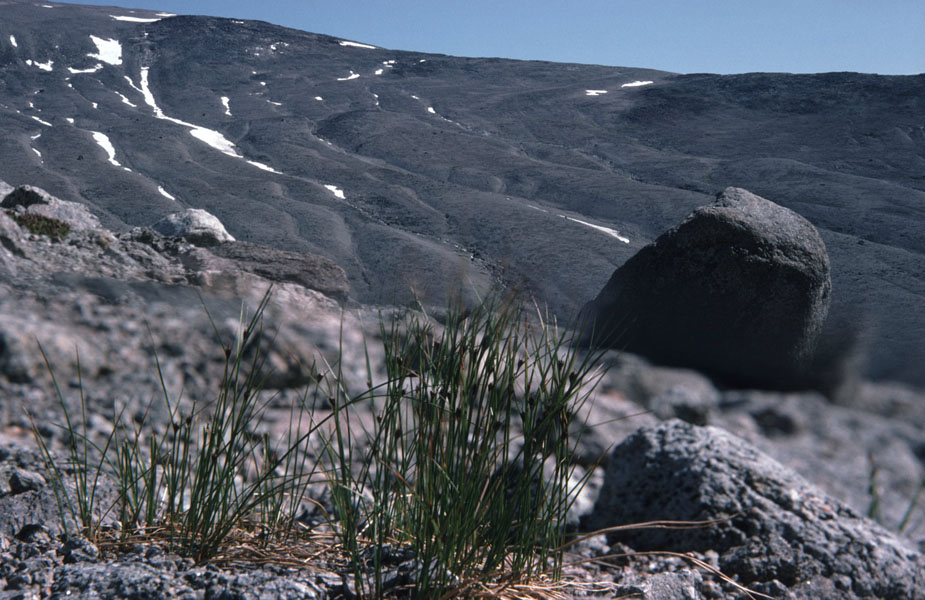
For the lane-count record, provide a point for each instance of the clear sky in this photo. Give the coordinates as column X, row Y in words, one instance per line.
column 684, row 36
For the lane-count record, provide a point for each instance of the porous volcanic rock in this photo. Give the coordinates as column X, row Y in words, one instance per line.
column 773, row 528
column 740, row 289
column 195, row 225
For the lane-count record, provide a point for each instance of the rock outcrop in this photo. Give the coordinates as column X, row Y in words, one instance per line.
column 740, row 289
column 195, row 225
column 771, row 527
column 35, row 200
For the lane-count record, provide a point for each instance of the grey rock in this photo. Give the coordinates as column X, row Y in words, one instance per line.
column 36, row 200
column 195, row 225
column 739, row 289
column 308, row 270
column 22, row 481
column 5, row 189
column 771, row 524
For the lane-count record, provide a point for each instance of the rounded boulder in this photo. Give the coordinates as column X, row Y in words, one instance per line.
column 740, row 290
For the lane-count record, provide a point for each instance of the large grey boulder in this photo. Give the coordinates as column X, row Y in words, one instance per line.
column 33, row 199
column 774, row 528
column 197, row 226
column 740, row 289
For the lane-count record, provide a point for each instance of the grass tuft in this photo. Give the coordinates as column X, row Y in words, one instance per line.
column 465, row 468
column 41, row 225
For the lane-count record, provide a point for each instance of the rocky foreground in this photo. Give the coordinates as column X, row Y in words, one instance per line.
column 789, row 479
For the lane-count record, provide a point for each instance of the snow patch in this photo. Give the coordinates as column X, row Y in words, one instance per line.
column 94, row 105
column 38, row 153
column 108, row 51
column 357, row 45
column 537, row 208
column 379, row 71
column 226, row 103
column 237, row 22
column 13, row 41
column 275, row 103
column 611, row 232
column 69, row 120
column 134, row 19
column 35, row 137
column 637, row 84
column 595, row 92
column 349, row 77
column 132, row 83
column 165, row 193
column 319, row 98
column 339, row 193
column 209, row 136
column 431, row 110
column 126, row 100
column 45, row 123
column 43, row 66
column 164, row 15
column 90, row 70
column 103, row 140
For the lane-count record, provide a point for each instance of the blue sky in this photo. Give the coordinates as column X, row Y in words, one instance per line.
column 685, row 36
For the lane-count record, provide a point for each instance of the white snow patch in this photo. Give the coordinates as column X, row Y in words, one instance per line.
column 611, row 232
column 275, row 103
column 164, row 15
column 108, row 51
column 431, row 110
column 45, row 123
column 43, row 66
column 103, row 140
column 422, row 60
column 637, row 84
column 69, row 120
column 379, row 71
column 37, row 152
column 13, row 41
column 263, row 83
column 209, row 136
column 35, row 137
column 132, row 83
column 226, row 102
column 349, row 77
column 47, row 6
column 90, row 70
column 94, row 105
column 319, row 98
column 134, row 19
column 126, row 100
column 357, row 45
column 389, row 63
column 339, row 193
column 595, row 92
column 237, row 22
column 537, row 208
column 415, row 97
column 165, row 193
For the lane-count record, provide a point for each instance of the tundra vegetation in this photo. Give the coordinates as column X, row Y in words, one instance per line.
column 465, row 466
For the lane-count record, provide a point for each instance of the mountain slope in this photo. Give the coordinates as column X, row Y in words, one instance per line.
column 422, row 172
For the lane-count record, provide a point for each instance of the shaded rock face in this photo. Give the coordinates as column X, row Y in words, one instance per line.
column 740, row 289
column 195, row 225
column 773, row 525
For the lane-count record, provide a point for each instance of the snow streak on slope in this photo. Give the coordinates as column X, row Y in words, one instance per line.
column 357, row 45
column 103, row 140
column 165, row 193
column 126, row 100
column 90, row 70
column 349, row 77
column 45, row 123
column 226, row 103
column 43, row 66
column 611, row 232
column 209, row 136
column 636, row 84
column 339, row 193
column 595, row 92
column 13, row 41
column 108, row 51
column 134, row 19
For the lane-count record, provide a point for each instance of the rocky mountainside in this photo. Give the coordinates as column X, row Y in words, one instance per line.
column 420, row 173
